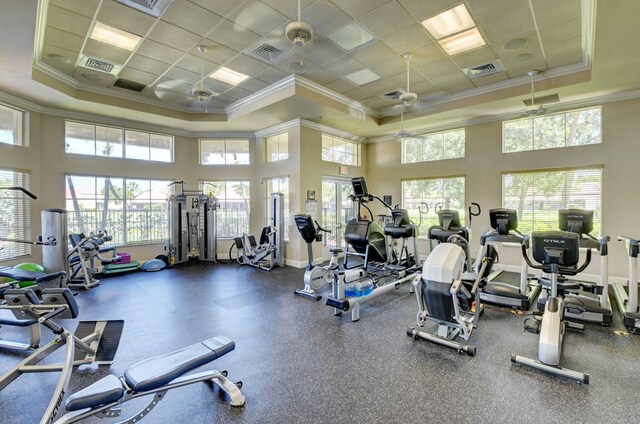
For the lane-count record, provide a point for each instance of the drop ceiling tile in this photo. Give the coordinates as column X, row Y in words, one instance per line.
column 125, row 18
column 175, row 86
column 233, row 35
column 386, row 19
column 424, row 86
column 407, row 39
column 322, row 52
column 137, row 75
column 271, row 75
column 341, row 86
column 561, row 31
column 65, row 68
column 66, row 40
column 532, row 44
column 217, row 86
column 182, row 75
column 512, row 26
column 91, row 77
column 358, row 94
column 453, row 83
column 564, row 53
column 48, row 49
column 246, row 65
column 344, row 65
column 376, row 102
column 191, row 17
column 484, row 11
column 426, row 55
column 219, row 7
column 423, row 9
column 158, row 51
column 320, row 76
column 253, row 85
column 324, row 17
column 258, row 17
column 104, row 51
column 216, row 52
column 439, row 68
column 551, row 12
column 372, row 53
column 389, row 67
column 85, row 7
column 520, row 69
column 358, row 8
column 387, row 84
column 490, row 79
column 68, row 21
column 289, row 7
column 297, row 65
column 192, row 63
column 474, row 58
column 146, row 64
column 237, row 92
column 173, row 36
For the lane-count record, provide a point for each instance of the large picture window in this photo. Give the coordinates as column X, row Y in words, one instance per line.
column 277, row 185
column 15, row 215
column 224, row 152
column 430, row 147
column 132, row 210
column 96, row 140
column 574, row 128
column 537, row 196
column 340, row 150
column 277, row 147
column 234, row 199
column 11, row 122
column 447, row 193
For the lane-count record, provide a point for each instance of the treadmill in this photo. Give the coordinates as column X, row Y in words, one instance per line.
column 582, row 308
column 626, row 295
column 518, row 295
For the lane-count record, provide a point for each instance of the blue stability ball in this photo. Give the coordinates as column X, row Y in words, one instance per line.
column 359, row 288
column 153, row 265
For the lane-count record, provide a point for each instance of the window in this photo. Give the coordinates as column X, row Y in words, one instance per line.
column 537, row 196
column 132, row 210
column 15, row 215
column 224, row 152
column 429, row 147
column 97, row 140
column 234, row 199
column 445, row 192
column 574, row 128
column 339, row 150
column 277, row 147
column 10, row 126
column 277, row 185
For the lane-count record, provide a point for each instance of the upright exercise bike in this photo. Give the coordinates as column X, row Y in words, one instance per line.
column 556, row 252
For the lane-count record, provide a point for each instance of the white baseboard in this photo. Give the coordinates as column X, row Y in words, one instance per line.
column 296, row 264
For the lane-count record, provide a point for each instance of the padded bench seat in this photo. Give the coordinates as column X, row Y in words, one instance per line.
column 504, row 290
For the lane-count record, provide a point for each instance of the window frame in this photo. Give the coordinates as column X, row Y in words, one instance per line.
column 203, row 183
column 21, row 139
column 422, row 138
column 202, row 141
column 533, row 138
column 279, row 143
column 358, row 146
column 23, row 208
column 123, row 144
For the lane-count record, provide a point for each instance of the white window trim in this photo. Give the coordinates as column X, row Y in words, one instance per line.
column 202, row 183
column 404, row 140
column 23, row 127
column 201, row 141
column 358, row 154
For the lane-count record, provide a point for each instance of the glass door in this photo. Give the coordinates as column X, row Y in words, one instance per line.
column 337, row 210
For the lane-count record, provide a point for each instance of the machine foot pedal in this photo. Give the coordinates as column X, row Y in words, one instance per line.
column 532, row 326
column 109, row 340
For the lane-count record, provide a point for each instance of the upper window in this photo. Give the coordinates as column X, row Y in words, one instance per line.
column 224, row 152
column 15, row 215
column 537, row 196
column 132, row 210
column 574, row 128
column 340, row 150
column 234, row 199
column 277, row 185
column 447, row 193
column 97, row 140
column 277, row 147
column 437, row 146
column 10, row 126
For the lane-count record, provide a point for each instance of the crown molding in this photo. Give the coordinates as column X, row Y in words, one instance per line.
column 332, row 131
column 18, row 103
column 277, row 129
column 236, row 108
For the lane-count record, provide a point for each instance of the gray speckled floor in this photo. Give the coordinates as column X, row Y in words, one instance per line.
column 301, row 364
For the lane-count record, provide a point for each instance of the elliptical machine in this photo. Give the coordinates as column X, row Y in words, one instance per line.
column 556, row 252
column 315, row 277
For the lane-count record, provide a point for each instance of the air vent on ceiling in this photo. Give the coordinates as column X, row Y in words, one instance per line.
column 150, row 7
column 270, row 52
column 393, row 95
column 552, row 98
column 99, row 64
column 484, row 69
column 129, row 85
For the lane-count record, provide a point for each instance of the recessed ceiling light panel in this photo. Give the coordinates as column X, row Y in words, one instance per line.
column 462, row 42
column 114, row 36
column 449, row 22
column 350, row 36
column 362, row 77
column 229, row 76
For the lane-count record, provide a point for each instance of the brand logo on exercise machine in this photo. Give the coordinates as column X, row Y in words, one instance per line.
column 556, row 241
column 57, row 407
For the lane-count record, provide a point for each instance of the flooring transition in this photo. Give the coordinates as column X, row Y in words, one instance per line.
column 301, row 364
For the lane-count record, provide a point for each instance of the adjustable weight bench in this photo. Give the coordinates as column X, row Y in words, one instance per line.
column 154, row 376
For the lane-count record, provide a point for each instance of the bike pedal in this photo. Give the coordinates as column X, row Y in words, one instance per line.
column 532, row 326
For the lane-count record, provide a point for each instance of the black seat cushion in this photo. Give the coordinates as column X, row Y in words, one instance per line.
column 398, row 232
column 106, row 390
column 160, row 370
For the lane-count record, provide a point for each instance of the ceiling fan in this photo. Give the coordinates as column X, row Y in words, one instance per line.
column 299, row 33
column 407, row 99
column 402, row 133
column 533, row 108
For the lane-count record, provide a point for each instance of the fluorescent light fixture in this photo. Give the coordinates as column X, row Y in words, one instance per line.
column 362, row 77
column 350, row 36
column 449, row 22
column 114, row 36
column 462, row 42
column 229, row 76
